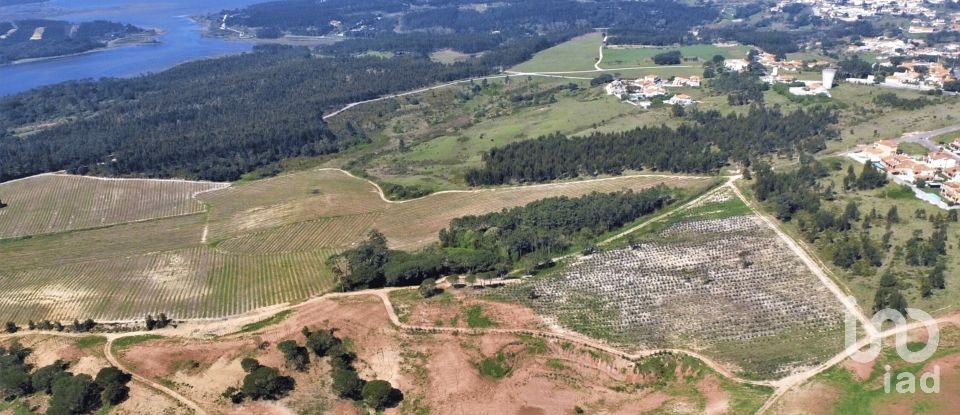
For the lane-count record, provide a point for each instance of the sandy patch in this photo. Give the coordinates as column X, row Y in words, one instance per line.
column 144, row 400
column 810, row 399
column 860, row 371
column 508, row 316
column 718, row 400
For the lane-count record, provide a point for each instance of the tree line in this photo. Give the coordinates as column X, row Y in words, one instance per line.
column 495, row 243
column 704, row 145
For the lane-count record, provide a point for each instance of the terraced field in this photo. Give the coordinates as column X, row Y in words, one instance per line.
column 57, row 202
column 255, row 245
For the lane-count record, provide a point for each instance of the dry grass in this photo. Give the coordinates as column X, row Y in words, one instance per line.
column 266, row 244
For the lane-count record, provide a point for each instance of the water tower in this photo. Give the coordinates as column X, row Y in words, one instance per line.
column 828, row 74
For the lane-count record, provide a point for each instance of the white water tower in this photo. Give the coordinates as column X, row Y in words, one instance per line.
column 828, row 74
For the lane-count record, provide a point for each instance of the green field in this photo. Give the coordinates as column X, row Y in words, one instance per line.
column 444, row 135
column 947, row 138
column 695, row 55
column 578, row 54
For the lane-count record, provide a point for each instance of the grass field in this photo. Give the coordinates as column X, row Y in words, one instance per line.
column 445, row 135
column 578, row 54
column 862, row 121
column 267, row 242
column 626, row 56
column 947, row 138
column 57, row 202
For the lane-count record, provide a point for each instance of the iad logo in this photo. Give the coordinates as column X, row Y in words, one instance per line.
column 906, row 382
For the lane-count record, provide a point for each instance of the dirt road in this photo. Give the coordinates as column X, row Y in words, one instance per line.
column 108, row 353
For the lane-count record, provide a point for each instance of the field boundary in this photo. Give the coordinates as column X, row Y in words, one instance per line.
column 384, row 198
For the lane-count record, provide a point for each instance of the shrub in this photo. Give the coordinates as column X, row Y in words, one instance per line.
column 266, row 383
column 74, row 395
column 346, row 383
column 379, row 394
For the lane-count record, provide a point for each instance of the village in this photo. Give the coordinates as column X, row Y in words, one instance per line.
column 914, row 74
column 934, row 177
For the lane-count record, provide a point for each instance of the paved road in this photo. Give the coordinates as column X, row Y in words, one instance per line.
column 923, row 137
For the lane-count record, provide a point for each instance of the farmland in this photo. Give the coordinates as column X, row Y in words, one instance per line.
column 578, row 54
column 631, row 56
column 57, row 202
column 713, row 279
column 255, row 245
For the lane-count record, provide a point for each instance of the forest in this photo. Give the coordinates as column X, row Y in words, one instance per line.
column 59, row 38
column 213, row 119
column 494, row 243
column 452, row 21
column 703, row 145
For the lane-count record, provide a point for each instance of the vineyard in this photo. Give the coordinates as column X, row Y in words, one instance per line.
column 712, row 279
column 230, row 250
column 195, row 282
column 52, row 203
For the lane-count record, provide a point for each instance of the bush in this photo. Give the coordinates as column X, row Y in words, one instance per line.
column 672, row 57
column 321, row 341
column 602, row 79
column 346, row 383
column 249, row 364
column 74, row 395
column 294, row 356
column 113, row 382
column 44, row 377
column 379, row 394
column 428, row 288
column 266, row 383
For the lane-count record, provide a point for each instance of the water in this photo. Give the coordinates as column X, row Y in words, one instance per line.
column 181, row 42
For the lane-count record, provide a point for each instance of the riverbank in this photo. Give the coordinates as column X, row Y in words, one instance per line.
column 123, row 42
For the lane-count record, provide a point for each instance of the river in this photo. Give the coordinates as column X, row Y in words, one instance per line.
column 181, row 40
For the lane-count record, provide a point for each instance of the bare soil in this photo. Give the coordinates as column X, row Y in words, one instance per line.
column 439, row 371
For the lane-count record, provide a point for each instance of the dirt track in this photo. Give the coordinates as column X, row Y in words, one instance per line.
column 203, row 328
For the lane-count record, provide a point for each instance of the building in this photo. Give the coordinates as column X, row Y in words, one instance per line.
column 888, row 146
column 682, row 100
column 810, row 89
column 941, row 160
column 880, row 149
column 738, row 65
column 691, row 82
column 951, row 191
column 909, row 169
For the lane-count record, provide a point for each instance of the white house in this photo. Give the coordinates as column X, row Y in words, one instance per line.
column 940, row 160
column 738, row 65
column 682, row 100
